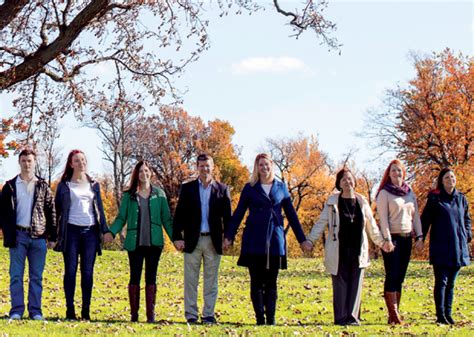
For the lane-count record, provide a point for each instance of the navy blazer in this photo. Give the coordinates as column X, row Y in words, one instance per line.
column 448, row 217
column 187, row 217
column 264, row 233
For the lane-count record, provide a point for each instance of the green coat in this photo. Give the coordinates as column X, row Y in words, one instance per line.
column 129, row 213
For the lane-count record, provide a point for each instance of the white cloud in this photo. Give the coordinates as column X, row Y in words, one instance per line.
column 282, row 64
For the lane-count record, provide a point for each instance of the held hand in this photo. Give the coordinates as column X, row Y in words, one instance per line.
column 388, row 247
column 419, row 244
column 179, row 245
column 306, row 246
column 51, row 244
column 108, row 237
column 226, row 244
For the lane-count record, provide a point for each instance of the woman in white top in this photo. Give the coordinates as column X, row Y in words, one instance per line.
column 81, row 225
column 349, row 220
column 399, row 219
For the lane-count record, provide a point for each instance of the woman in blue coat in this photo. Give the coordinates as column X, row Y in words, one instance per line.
column 447, row 214
column 263, row 248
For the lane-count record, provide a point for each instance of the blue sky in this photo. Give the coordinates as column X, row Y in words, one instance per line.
column 268, row 84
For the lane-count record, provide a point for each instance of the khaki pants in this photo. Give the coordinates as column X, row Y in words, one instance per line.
column 206, row 252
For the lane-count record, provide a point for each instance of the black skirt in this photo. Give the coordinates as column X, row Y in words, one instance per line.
column 260, row 261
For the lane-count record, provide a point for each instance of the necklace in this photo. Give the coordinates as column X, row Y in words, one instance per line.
column 351, row 214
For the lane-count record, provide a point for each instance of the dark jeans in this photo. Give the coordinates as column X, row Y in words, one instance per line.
column 396, row 263
column 83, row 242
column 347, row 288
column 151, row 256
column 445, row 277
column 35, row 251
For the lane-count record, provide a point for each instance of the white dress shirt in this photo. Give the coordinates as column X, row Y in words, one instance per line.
column 25, row 191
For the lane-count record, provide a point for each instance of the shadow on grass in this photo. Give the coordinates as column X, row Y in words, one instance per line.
column 59, row 320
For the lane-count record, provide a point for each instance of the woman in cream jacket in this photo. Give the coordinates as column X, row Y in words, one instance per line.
column 349, row 218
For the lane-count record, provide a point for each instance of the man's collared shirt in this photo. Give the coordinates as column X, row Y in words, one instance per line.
column 24, row 201
column 205, row 195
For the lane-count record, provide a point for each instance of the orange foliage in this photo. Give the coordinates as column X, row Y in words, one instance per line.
column 303, row 167
column 7, row 126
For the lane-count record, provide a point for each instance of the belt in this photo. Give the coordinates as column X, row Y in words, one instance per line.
column 206, row 234
column 23, row 229
column 402, row 235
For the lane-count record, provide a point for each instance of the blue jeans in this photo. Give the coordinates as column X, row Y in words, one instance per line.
column 445, row 277
column 83, row 242
column 35, row 251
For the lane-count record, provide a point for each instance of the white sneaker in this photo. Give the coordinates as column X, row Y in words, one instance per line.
column 15, row 317
column 38, row 317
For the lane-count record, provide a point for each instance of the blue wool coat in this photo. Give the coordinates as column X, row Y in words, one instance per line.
column 448, row 217
column 264, row 233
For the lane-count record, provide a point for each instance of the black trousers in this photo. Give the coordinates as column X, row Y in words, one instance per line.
column 151, row 256
column 396, row 263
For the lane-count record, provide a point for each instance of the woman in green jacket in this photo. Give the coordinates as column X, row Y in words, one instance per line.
column 145, row 210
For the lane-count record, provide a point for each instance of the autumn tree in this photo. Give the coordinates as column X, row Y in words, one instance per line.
column 226, row 155
column 303, row 167
column 171, row 141
column 429, row 122
column 56, row 56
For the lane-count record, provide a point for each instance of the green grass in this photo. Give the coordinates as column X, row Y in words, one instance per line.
column 304, row 305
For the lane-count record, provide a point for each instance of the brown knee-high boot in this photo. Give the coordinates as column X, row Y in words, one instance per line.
column 150, row 297
column 134, row 298
column 392, row 306
column 399, row 296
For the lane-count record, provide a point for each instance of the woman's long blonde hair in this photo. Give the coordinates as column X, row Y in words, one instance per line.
column 255, row 175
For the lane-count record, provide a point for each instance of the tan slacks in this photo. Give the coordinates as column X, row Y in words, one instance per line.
column 205, row 252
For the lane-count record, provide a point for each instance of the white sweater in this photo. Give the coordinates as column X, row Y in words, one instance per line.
column 398, row 214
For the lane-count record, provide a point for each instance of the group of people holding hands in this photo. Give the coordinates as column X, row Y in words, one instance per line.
column 203, row 227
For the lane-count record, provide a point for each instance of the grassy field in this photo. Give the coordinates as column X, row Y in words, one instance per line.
column 304, row 306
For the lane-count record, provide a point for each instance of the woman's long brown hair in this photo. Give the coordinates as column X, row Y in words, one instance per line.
column 133, row 184
column 68, row 170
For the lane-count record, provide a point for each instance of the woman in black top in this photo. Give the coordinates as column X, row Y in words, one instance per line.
column 349, row 219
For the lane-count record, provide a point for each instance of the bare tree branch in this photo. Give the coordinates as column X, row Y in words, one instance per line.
column 9, row 10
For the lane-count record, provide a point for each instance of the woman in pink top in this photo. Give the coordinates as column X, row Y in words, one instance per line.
column 399, row 219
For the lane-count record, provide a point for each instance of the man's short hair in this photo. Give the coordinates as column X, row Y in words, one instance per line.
column 27, row 152
column 204, row 157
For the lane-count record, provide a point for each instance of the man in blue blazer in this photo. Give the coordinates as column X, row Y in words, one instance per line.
column 202, row 214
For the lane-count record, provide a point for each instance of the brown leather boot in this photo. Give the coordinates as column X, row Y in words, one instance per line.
column 392, row 306
column 134, row 298
column 150, row 297
column 399, row 296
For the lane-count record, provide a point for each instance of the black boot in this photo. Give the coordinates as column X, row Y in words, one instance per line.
column 70, row 313
column 258, row 306
column 441, row 319
column 447, row 314
column 85, row 313
column 270, row 305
